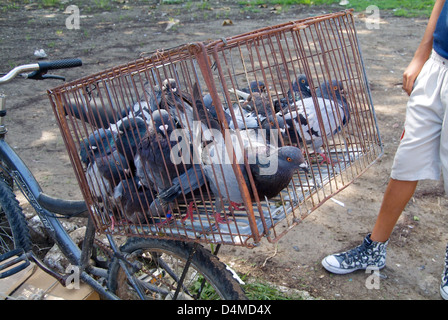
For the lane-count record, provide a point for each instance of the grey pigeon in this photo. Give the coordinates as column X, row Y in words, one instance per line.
column 255, row 86
column 271, row 168
column 177, row 102
column 130, row 133
column 97, row 116
column 106, row 173
column 303, row 119
column 300, row 89
column 104, row 165
column 134, row 200
column 326, row 91
column 155, row 167
column 100, row 141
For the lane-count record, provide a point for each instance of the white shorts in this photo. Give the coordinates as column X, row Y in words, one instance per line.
column 423, row 150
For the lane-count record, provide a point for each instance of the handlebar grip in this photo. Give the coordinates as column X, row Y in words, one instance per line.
column 59, row 64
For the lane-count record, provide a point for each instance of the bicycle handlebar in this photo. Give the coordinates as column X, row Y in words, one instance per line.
column 59, row 64
column 38, row 70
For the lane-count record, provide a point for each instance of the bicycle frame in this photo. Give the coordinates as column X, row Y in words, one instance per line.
column 11, row 163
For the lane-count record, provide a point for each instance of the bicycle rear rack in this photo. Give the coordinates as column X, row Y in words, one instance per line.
column 322, row 48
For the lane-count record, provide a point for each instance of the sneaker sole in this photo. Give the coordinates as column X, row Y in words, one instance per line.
column 336, row 270
column 443, row 293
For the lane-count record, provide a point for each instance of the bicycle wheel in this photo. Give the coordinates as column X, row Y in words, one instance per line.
column 14, row 231
column 160, row 264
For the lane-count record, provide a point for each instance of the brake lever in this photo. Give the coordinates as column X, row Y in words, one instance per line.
column 39, row 75
column 52, row 76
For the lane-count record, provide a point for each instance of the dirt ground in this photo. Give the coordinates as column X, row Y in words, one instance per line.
column 120, row 32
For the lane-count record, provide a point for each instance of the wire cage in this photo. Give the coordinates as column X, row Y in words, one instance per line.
column 215, row 117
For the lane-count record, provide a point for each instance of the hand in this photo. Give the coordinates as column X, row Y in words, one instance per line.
column 411, row 73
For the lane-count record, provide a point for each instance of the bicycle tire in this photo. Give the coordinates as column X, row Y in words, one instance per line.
column 14, row 232
column 221, row 282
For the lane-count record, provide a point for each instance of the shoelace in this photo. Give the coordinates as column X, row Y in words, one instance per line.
column 356, row 252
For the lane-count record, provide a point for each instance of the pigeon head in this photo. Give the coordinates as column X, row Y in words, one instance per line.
column 258, row 86
column 301, row 84
column 162, row 122
column 255, row 86
column 169, row 85
column 334, row 86
column 99, row 143
column 326, row 91
column 292, row 158
column 300, row 88
column 274, row 172
column 132, row 125
column 130, row 132
column 113, row 167
column 270, row 124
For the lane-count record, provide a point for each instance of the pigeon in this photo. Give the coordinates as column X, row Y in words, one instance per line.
column 211, row 108
column 326, row 90
column 152, row 95
column 185, row 184
column 283, row 161
column 106, row 173
column 254, row 109
column 300, row 90
column 134, row 200
column 245, row 117
column 101, row 141
column 96, row 152
column 96, row 116
column 260, row 104
column 271, row 175
column 302, row 121
column 154, row 164
column 130, row 133
column 273, row 124
column 255, row 86
column 178, row 103
column 271, row 170
column 105, row 166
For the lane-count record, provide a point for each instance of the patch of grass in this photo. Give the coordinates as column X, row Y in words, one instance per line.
column 103, row 4
column 257, row 290
column 51, row 3
column 405, row 8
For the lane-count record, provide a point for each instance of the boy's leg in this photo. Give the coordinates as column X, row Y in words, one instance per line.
column 397, row 195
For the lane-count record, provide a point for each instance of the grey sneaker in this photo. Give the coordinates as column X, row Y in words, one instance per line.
column 368, row 254
column 444, row 285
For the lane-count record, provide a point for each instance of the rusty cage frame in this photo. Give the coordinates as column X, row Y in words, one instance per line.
column 322, row 48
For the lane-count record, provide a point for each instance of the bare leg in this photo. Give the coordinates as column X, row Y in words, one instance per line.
column 397, row 195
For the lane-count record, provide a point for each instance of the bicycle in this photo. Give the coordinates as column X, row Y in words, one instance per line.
column 141, row 268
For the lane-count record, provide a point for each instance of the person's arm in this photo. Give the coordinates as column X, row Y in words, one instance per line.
column 423, row 51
